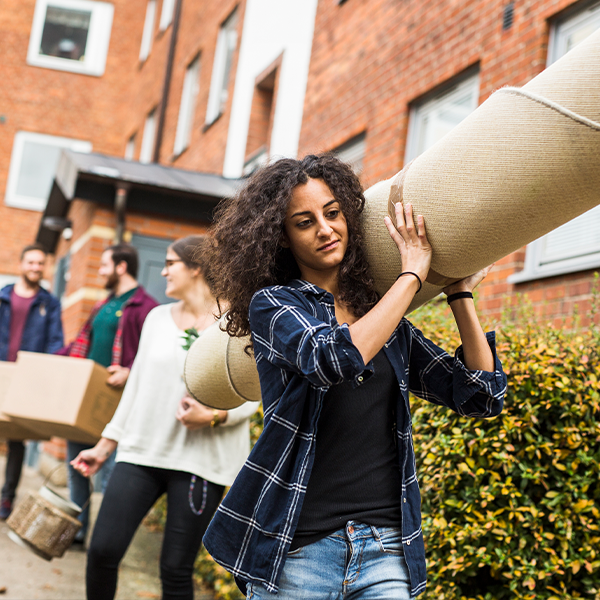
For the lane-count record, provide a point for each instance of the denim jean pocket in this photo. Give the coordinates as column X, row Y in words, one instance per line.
column 256, row 592
column 390, row 540
column 296, row 551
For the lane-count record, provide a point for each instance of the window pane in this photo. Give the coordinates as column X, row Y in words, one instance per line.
column 130, row 148
column 147, row 148
column 166, row 16
column 148, row 33
column 576, row 245
column 186, row 107
column 432, row 119
column 353, row 153
column 65, row 33
column 219, row 85
column 230, row 41
column 443, row 117
column 38, row 166
column 573, row 31
column 578, row 237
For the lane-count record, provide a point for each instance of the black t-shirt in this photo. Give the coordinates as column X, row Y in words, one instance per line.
column 355, row 475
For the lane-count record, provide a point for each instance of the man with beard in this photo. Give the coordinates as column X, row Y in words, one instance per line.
column 29, row 320
column 110, row 337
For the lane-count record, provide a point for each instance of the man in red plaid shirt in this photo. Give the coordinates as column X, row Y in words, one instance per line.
column 110, row 337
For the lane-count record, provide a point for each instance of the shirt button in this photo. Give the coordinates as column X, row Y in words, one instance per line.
column 404, row 499
column 408, row 543
column 360, row 378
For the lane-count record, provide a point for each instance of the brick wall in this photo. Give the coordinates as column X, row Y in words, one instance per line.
column 198, row 32
column 60, row 103
column 372, row 58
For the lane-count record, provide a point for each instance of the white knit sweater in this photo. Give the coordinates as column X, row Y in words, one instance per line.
column 144, row 424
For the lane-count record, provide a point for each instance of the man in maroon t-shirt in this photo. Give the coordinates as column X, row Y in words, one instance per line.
column 29, row 320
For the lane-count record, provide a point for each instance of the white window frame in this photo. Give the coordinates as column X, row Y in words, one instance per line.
column 130, row 148
column 12, row 198
column 148, row 33
column 538, row 263
column 166, row 14
column 259, row 159
column 221, row 75
column 430, row 106
column 148, row 137
column 97, row 41
column 352, row 152
column 187, row 106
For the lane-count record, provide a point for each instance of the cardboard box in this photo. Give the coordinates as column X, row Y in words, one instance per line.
column 61, row 396
column 9, row 430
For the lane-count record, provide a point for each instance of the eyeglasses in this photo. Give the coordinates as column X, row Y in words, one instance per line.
column 169, row 262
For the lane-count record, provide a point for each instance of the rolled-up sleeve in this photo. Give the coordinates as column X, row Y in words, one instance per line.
column 289, row 336
column 439, row 378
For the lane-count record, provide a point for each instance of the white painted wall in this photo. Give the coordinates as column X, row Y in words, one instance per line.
column 270, row 28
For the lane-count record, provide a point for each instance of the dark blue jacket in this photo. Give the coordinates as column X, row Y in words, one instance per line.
column 43, row 330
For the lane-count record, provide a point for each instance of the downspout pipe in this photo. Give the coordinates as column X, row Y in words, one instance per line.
column 120, row 209
column 167, row 82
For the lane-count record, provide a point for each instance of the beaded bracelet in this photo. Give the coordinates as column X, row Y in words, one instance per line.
column 411, row 273
column 458, row 295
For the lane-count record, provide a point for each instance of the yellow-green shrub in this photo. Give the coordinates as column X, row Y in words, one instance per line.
column 511, row 505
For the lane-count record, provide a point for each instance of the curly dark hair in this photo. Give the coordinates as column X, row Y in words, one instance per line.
column 246, row 252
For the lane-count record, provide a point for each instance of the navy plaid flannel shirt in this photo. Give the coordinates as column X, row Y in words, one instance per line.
column 300, row 352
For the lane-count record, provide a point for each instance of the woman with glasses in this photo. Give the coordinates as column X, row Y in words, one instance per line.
column 166, row 442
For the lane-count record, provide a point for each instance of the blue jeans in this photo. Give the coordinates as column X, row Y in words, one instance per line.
column 79, row 486
column 357, row 562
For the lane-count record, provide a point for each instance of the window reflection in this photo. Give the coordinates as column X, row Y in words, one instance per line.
column 65, row 33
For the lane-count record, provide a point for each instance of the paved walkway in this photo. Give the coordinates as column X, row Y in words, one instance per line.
column 25, row 576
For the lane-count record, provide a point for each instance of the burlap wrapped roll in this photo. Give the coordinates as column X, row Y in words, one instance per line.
column 523, row 163
column 218, row 373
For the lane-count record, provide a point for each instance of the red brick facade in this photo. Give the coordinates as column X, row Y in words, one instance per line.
column 372, row 59
column 60, row 103
column 107, row 111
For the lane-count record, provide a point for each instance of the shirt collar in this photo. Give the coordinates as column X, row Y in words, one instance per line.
column 310, row 289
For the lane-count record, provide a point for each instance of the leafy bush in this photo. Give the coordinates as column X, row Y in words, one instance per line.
column 511, row 505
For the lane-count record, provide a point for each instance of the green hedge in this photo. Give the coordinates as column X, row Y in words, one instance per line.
column 511, row 505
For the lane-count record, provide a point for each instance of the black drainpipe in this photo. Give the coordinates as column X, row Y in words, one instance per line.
column 167, row 82
column 121, row 194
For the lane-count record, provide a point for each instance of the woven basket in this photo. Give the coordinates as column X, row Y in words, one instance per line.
column 43, row 527
column 218, row 373
column 523, row 163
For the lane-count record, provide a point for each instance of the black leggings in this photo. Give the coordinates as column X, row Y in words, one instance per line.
column 131, row 492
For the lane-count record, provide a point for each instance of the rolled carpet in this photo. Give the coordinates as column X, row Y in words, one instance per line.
column 523, row 163
column 217, row 371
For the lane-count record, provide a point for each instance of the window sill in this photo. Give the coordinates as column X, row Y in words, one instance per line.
column 176, row 156
column 534, row 274
column 25, row 203
column 69, row 66
column 209, row 124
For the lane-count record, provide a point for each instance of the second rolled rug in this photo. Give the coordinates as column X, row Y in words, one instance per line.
column 218, row 373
